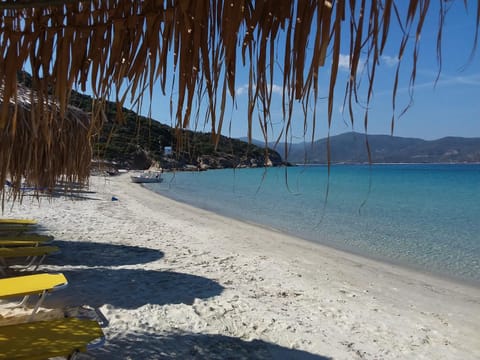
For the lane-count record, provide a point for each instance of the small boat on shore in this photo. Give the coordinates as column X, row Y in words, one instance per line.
column 146, row 178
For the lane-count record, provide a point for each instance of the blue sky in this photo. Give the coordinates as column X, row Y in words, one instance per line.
column 449, row 108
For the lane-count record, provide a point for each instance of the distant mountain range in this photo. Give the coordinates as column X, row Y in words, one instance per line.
column 351, row 148
column 139, row 142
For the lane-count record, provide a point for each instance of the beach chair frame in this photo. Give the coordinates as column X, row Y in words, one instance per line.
column 34, row 256
column 55, row 282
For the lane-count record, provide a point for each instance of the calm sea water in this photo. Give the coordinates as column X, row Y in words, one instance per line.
column 421, row 216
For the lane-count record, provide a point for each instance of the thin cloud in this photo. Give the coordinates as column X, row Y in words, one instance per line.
column 445, row 81
column 344, row 62
column 241, row 90
column 473, row 79
column 390, row 61
column 276, row 89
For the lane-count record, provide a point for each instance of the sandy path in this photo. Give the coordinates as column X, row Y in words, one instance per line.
column 179, row 282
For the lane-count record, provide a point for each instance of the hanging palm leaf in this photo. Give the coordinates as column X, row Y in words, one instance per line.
column 117, row 48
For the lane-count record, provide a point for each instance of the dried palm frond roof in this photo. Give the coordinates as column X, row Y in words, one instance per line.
column 120, row 48
column 40, row 147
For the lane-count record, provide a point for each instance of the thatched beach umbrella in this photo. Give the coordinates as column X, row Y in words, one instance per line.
column 40, row 146
column 120, row 48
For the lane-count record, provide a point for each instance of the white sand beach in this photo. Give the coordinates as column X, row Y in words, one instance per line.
column 176, row 282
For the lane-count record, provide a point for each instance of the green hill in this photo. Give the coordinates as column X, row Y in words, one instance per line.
column 140, row 142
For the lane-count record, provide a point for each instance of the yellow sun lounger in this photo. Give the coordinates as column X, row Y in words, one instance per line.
column 46, row 339
column 13, row 243
column 18, row 221
column 36, row 255
column 24, row 286
column 25, row 240
column 16, row 228
column 27, row 236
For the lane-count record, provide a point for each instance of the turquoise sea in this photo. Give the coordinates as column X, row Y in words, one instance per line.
column 425, row 217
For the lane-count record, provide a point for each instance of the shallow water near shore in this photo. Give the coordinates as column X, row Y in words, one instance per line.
column 420, row 216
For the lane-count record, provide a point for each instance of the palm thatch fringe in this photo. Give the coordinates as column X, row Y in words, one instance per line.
column 121, row 48
column 39, row 147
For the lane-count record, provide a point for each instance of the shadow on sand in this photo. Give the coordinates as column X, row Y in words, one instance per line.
column 131, row 288
column 84, row 195
column 83, row 253
column 196, row 346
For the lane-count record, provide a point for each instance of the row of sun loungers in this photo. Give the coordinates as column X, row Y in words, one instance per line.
column 37, row 339
column 17, row 242
column 18, row 221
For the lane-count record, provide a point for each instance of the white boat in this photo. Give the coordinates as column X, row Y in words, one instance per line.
column 147, row 178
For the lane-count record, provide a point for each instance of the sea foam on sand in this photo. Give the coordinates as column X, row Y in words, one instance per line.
column 179, row 282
